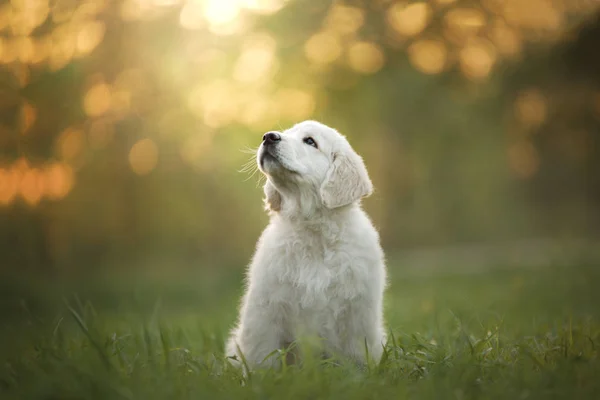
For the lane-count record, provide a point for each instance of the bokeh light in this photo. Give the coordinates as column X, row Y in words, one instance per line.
column 409, row 19
column 365, row 57
column 257, row 61
column 477, row 59
column 70, row 143
column 9, row 184
column 344, row 19
column 428, row 56
column 97, row 100
column 143, row 156
column 323, row 48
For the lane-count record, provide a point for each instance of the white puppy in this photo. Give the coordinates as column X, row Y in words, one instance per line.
column 318, row 269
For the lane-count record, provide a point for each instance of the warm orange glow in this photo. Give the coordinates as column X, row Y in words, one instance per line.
column 365, row 57
column 523, row 159
column 90, row 36
column 100, row 134
column 257, row 61
column 42, row 49
column 463, row 23
column 506, row 40
column 28, row 117
column 9, row 185
column 192, row 15
column 143, row 156
column 428, row 56
column 59, row 180
column 323, row 48
column 344, row 19
column 532, row 14
column 409, row 19
column 97, row 100
column 70, row 144
column 5, row 15
column 31, row 186
column 444, row 2
column 8, row 50
column 27, row 15
column 26, row 49
column 295, row 104
column 530, row 107
column 477, row 59
column 63, row 47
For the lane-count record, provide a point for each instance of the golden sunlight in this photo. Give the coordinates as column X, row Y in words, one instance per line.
column 323, row 48
column 214, row 103
column 31, row 186
column 533, row 14
column 295, row 104
column 143, row 156
column 428, row 56
column 70, row 144
column 221, row 12
column 59, row 178
column 90, row 35
column 477, row 59
column 463, row 23
column 257, row 61
column 9, row 185
column 344, row 19
column 507, row 40
column 191, row 15
column 97, row 100
column 365, row 57
column 408, row 20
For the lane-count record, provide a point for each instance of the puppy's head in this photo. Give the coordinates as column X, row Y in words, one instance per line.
column 311, row 165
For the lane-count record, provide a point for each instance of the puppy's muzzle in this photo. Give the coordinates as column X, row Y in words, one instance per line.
column 271, row 138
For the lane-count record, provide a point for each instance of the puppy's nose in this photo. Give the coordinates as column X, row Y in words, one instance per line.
column 271, row 137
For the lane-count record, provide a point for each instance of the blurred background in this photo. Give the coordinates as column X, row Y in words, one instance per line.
column 124, row 126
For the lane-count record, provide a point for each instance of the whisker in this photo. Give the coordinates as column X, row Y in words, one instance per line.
column 249, row 150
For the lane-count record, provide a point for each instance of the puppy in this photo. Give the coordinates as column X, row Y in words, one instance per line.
column 318, row 269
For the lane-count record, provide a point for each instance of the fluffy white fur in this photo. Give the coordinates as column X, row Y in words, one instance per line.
column 318, row 270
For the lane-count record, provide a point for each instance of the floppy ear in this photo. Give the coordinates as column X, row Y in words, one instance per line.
column 272, row 197
column 347, row 180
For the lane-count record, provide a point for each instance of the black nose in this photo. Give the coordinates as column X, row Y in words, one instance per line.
column 271, row 137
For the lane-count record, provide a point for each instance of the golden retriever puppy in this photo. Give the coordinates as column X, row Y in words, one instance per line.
column 318, row 270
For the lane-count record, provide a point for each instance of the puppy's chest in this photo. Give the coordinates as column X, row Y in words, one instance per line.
column 315, row 273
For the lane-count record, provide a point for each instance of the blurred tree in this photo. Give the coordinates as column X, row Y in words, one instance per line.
column 121, row 123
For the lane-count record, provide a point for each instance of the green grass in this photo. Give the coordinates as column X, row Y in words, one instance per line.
column 517, row 334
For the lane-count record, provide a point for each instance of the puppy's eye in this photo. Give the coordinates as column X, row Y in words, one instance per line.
column 311, row 142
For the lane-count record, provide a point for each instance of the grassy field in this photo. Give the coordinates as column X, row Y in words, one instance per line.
column 512, row 333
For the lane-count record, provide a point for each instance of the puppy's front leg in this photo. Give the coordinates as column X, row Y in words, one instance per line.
column 363, row 324
column 260, row 331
